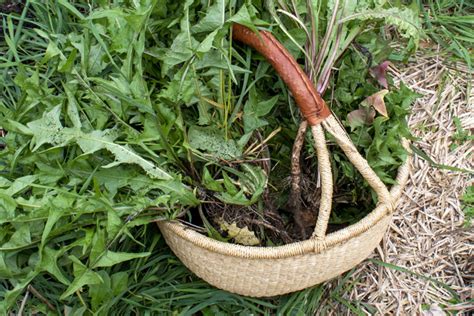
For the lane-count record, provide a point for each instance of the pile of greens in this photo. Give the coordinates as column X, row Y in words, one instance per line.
column 114, row 114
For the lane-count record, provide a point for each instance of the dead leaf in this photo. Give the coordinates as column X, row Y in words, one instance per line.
column 380, row 73
column 377, row 102
column 361, row 116
column 242, row 236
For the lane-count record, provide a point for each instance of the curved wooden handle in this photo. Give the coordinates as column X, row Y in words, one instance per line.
column 312, row 106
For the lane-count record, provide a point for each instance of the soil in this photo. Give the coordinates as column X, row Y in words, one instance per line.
column 10, row 6
column 272, row 220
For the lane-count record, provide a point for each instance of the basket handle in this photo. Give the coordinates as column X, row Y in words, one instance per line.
column 315, row 111
column 311, row 105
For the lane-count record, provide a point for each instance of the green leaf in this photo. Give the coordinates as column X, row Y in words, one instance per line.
column 101, row 293
column 237, row 199
column 404, row 19
column 53, row 216
column 83, row 276
column 114, row 223
column 119, row 282
column 72, row 107
column 254, row 109
column 229, row 184
column 209, row 182
column 214, row 18
column 180, row 51
column 243, row 17
column 49, row 130
column 46, row 130
column 4, row 182
column 71, row 8
column 20, row 238
column 51, row 52
column 212, row 140
column 7, row 208
column 111, row 258
column 20, row 184
column 49, row 263
column 206, row 44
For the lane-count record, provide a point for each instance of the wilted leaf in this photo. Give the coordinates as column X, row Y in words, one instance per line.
column 377, row 102
column 380, row 73
column 361, row 116
column 241, row 236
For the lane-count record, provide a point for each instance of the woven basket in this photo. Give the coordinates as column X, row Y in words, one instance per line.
column 269, row 271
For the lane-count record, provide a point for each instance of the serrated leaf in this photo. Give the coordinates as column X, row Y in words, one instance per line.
column 253, row 180
column 83, row 276
column 49, row 263
column 49, row 130
column 406, row 21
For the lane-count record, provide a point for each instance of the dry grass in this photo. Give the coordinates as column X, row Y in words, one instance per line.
column 427, row 235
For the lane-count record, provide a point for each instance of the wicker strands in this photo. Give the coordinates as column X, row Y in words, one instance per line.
column 267, row 276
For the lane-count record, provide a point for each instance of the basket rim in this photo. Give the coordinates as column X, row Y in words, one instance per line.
column 309, row 246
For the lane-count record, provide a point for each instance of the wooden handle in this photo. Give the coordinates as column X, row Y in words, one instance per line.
column 312, row 106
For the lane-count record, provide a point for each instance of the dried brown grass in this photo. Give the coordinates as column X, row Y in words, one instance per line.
column 427, row 235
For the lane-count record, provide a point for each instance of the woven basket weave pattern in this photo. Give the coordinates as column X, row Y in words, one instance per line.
column 269, row 277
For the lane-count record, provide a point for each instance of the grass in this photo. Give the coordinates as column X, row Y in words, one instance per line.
column 449, row 23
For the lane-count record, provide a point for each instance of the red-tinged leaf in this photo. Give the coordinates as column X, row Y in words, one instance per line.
column 360, row 117
column 377, row 102
column 380, row 73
